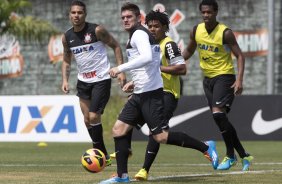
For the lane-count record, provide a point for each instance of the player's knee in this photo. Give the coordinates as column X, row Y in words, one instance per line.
column 94, row 118
column 161, row 138
column 87, row 122
column 118, row 131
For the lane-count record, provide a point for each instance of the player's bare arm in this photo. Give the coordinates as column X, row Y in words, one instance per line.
column 174, row 69
column 191, row 47
column 231, row 41
column 103, row 35
column 128, row 87
column 66, row 66
column 114, row 72
column 176, row 63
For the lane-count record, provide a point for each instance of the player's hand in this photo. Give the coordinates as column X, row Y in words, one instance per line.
column 65, row 87
column 128, row 87
column 238, row 87
column 121, row 79
column 114, row 72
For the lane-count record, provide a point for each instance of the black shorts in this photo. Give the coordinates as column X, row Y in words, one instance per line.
column 147, row 107
column 170, row 104
column 98, row 93
column 218, row 91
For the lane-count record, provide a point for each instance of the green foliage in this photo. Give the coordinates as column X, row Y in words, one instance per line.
column 24, row 27
column 30, row 28
column 7, row 7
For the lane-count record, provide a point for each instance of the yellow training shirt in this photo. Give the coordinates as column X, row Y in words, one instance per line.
column 171, row 55
column 215, row 58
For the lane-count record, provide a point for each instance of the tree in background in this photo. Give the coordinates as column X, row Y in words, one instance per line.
column 13, row 22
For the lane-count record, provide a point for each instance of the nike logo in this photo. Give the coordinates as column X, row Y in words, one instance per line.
column 178, row 119
column 262, row 127
column 153, row 129
column 71, row 41
column 151, row 152
column 205, row 58
column 217, row 103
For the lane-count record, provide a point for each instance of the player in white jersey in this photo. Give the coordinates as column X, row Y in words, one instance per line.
column 86, row 42
column 146, row 102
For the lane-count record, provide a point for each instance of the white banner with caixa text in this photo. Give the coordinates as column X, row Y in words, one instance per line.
column 41, row 118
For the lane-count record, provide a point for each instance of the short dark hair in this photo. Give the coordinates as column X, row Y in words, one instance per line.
column 157, row 15
column 212, row 3
column 78, row 3
column 131, row 7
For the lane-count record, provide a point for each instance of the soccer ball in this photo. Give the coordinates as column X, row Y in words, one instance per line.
column 93, row 160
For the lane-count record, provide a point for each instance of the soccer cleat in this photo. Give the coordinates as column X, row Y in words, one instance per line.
column 142, row 175
column 211, row 154
column 246, row 162
column 113, row 155
column 116, row 179
column 108, row 160
column 227, row 163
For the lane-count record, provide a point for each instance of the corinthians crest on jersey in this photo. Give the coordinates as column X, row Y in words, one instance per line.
column 87, row 38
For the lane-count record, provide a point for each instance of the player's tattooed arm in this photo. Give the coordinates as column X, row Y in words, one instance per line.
column 104, row 36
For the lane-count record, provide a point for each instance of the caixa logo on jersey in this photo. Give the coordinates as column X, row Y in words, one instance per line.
column 41, row 118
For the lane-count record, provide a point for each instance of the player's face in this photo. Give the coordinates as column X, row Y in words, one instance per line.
column 208, row 14
column 129, row 20
column 157, row 29
column 77, row 15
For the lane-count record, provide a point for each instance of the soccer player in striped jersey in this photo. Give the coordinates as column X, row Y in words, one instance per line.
column 86, row 43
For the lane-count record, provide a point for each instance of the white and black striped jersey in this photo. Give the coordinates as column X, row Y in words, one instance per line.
column 143, row 61
column 89, row 53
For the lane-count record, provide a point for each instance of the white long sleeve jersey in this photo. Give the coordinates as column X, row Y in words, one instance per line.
column 143, row 61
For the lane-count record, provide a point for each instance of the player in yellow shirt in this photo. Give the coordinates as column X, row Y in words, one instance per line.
column 215, row 42
column 172, row 66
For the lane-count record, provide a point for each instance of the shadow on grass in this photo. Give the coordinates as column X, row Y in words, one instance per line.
column 188, row 179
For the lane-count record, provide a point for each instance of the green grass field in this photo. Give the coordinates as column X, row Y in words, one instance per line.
column 60, row 163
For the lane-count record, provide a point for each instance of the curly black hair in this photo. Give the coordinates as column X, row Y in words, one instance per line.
column 157, row 15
